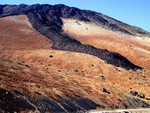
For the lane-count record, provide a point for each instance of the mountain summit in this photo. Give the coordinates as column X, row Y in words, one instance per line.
column 56, row 58
column 62, row 11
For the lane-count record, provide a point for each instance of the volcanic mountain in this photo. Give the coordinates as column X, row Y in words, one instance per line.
column 56, row 58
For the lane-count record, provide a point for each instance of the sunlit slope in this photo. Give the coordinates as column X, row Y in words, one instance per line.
column 63, row 59
column 16, row 33
column 136, row 49
column 29, row 66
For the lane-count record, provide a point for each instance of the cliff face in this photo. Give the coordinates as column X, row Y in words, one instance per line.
column 28, row 77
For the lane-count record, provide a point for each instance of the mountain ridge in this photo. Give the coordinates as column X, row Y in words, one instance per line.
column 104, row 21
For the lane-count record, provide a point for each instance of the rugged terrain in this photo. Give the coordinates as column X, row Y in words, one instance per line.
column 63, row 59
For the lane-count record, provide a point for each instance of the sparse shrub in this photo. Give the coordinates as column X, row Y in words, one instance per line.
column 27, row 65
column 49, row 65
column 102, row 77
column 50, row 56
column 78, row 23
column 76, row 70
column 130, row 78
column 59, row 70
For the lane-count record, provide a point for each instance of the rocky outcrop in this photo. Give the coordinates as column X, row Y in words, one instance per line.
column 14, row 101
column 1, row 9
column 140, row 95
column 136, row 103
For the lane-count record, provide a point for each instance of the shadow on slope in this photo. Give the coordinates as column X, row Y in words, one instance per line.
column 14, row 101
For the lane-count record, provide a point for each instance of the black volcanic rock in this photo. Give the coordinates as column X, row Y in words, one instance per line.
column 13, row 9
column 136, row 103
column 13, row 101
column 105, row 91
column 1, row 9
column 134, row 93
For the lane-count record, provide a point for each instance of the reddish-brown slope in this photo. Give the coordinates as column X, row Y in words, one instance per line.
column 16, row 33
column 37, row 71
column 73, row 75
